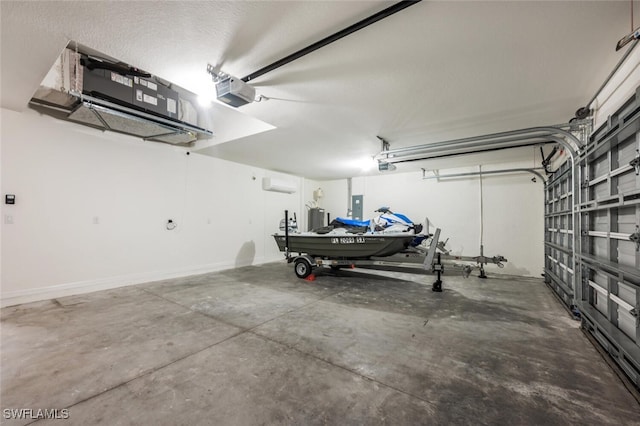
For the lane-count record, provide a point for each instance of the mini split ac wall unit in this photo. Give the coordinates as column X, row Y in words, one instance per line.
column 279, row 185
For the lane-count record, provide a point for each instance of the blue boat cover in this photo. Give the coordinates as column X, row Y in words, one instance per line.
column 352, row 222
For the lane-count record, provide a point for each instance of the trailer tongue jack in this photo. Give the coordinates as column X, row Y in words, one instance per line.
column 437, row 268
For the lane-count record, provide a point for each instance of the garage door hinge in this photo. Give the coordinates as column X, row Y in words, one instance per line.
column 635, row 163
column 635, row 237
column 585, row 184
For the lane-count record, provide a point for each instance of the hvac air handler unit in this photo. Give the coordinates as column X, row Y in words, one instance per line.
column 90, row 88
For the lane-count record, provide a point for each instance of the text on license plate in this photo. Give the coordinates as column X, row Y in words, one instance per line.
column 347, row 240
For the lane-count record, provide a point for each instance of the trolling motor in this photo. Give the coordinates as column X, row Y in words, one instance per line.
column 292, row 223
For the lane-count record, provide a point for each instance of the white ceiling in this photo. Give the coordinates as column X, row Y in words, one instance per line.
column 434, row 71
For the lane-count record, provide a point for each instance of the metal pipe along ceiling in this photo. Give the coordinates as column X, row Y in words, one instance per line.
column 486, row 172
column 464, row 148
column 512, row 138
column 452, row 153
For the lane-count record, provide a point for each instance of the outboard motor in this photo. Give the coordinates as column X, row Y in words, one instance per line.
column 293, row 224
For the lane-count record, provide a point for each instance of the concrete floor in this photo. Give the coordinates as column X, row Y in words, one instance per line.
column 256, row 345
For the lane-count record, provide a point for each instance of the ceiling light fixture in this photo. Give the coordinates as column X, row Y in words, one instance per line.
column 384, row 166
column 367, row 164
column 204, row 101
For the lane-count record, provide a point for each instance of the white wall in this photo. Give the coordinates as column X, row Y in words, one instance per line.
column 307, row 201
column 513, row 211
column 335, row 197
column 67, row 176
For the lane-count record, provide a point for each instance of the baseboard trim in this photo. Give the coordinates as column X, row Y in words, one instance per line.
column 18, row 297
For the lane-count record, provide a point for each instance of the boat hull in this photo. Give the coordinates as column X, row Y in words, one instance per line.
column 345, row 246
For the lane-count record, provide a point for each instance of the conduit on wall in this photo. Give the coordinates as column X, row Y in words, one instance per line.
column 349, row 197
column 481, row 216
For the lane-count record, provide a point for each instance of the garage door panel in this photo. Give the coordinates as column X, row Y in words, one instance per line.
column 600, row 191
column 627, row 323
column 627, row 254
column 599, row 167
column 627, row 182
column 607, row 278
column 600, row 247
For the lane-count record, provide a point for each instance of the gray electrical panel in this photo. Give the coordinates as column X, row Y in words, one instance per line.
column 357, row 211
column 316, row 218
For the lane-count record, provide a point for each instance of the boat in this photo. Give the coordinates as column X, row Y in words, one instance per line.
column 385, row 235
column 344, row 245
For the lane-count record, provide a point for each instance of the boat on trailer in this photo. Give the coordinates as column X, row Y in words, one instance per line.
column 386, row 234
column 390, row 240
column 344, row 245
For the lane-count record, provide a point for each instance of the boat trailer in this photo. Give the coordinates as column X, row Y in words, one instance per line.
column 418, row 259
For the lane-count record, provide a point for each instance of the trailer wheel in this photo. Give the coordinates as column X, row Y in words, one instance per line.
column 303, row 268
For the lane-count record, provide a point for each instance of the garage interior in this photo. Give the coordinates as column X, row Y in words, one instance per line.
column 140, row 279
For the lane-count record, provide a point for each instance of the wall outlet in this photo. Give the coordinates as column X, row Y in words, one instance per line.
column 96, row 220
column 8, row 219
